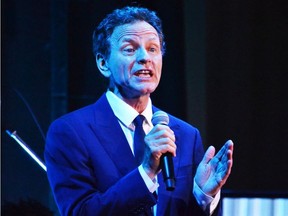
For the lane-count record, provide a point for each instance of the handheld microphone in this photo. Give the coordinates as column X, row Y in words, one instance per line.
column 161, row 117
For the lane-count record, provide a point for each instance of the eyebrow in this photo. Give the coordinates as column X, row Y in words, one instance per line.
column 126, row 39
column 130, row 39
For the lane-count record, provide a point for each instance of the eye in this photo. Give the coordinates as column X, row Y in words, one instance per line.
column 129, row 50
column 153, row 49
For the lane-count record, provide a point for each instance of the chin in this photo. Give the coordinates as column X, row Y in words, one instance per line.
column 148, row 91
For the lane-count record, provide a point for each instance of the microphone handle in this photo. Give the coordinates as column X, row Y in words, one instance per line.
column 168, row 171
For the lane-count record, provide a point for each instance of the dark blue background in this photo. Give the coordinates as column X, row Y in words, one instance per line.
column 225, row 71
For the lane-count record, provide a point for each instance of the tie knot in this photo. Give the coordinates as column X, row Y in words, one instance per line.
column 138, row 121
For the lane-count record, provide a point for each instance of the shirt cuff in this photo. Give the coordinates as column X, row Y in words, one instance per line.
column 152, row 185
column 206, row 202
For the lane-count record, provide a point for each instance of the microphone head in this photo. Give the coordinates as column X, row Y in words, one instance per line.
column 160, row 117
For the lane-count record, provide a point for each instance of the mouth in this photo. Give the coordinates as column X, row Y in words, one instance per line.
column 143, row 73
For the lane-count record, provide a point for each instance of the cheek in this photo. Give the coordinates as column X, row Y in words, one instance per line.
column 158, row 61
column 116, row 65
column 159, row 66
column 121, row 71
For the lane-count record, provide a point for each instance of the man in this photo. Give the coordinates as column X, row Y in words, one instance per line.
column 90, row 152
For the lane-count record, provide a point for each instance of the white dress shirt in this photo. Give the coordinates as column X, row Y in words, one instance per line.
column 126, row 115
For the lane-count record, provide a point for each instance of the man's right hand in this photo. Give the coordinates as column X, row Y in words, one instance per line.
column 159, row 140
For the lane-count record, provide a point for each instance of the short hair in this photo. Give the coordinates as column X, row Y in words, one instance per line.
column 118, row 17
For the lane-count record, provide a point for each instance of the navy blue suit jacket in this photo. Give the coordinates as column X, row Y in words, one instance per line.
column 92, row 170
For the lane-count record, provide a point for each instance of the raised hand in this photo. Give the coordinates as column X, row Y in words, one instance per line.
column 214, row 170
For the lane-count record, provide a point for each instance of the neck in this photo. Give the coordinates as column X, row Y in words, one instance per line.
column 138, row 103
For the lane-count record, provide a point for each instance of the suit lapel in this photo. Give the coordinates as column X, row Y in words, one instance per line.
column 112, row 137
column 114, row 141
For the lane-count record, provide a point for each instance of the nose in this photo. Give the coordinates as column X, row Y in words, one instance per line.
column 143, row 56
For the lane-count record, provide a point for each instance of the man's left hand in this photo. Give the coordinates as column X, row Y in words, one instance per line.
column 214, row 170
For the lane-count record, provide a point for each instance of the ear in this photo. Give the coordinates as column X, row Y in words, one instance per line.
column 102, row 65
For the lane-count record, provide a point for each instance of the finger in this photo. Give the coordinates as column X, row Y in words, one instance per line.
column 161, row 131
column 230, row 145
column 162, row 145
column 226, row 165
column 160, row 138
column 168, row 146
column 226, row 172
column 221, row 159
column 229, row 151
column 223, row 151
column 209, row 154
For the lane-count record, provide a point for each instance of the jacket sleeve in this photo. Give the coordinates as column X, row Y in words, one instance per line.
column 198, row 155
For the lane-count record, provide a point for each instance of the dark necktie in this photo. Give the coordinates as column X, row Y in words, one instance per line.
column 139, row 134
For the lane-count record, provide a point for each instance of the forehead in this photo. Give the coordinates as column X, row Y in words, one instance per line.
column 137, row 29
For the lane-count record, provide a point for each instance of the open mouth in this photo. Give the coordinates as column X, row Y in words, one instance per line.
column 144, row 73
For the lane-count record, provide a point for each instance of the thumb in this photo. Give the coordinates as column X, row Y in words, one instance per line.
column 209, row 154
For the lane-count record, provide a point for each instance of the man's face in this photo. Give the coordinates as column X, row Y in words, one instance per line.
column 135, row 61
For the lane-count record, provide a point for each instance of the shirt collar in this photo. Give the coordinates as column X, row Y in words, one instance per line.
column 125, row 113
